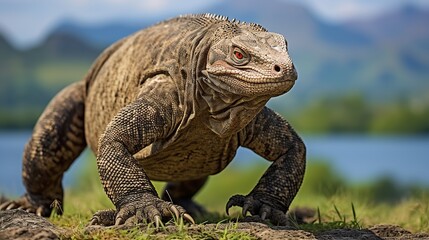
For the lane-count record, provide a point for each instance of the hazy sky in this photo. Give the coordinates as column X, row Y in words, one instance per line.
column 27, row 21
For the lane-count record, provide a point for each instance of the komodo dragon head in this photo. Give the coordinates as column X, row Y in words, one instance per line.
column 249, row 61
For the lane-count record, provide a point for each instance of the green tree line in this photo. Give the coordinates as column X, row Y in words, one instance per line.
column 336, row 114
column 353, row 114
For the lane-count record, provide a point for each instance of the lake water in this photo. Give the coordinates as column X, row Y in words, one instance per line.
column 356, row 157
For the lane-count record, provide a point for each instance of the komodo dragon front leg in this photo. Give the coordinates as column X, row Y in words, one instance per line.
column 136, row 126
column 270, row 136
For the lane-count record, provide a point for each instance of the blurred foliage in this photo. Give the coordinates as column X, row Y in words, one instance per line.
column 386, row 190
column 353, row 114
column 23, row 117
column 402, row 117
column 322, row 179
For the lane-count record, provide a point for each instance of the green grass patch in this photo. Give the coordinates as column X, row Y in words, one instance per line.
column 341, row 222
column 339, row 204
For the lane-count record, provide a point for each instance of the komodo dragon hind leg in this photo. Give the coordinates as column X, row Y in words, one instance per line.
column 181, row 193
column 57, row 140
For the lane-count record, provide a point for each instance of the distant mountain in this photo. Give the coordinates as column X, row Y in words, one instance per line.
column 405, row 25
column 65, row 45
column 303, row 30
column 5, row 47
column 293, row 20
column 100, row 36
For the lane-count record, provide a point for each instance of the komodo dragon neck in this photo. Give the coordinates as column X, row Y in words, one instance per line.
column 223, row 105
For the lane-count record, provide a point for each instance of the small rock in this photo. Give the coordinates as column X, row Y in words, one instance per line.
column 357, row 234
column 19, row 224
column 393, row 232
column 389, row 230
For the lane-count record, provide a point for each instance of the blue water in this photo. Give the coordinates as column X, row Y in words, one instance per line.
column 356, row 157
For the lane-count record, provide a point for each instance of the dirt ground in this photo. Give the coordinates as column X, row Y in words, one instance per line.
column 18, row 224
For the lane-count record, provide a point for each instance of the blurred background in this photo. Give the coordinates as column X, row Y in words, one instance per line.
column 361, row 102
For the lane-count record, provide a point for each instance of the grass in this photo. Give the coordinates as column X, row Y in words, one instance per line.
column 341, row 223
column 175, row 229
column 343, row 206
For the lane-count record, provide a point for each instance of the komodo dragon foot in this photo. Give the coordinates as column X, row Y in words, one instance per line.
column 146, row 208
column 31, row 205
column 261, row 207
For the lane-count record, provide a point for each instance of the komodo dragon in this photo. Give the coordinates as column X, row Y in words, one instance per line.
column 172, row 102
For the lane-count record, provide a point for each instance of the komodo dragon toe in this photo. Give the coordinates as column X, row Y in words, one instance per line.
column 255, row 206
column 43, row 210
column 146, row 208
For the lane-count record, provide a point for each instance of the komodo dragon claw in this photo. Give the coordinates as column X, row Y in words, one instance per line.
column 24, row 204
column 152, row 209
column 257, row 207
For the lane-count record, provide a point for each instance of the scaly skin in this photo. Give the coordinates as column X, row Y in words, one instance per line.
column 172, row 102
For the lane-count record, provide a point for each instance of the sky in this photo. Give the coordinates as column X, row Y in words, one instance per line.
column 26, row 22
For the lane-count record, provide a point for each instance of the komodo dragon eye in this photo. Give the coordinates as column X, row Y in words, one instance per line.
column 239, row 56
